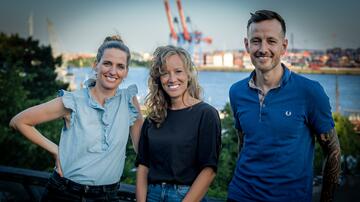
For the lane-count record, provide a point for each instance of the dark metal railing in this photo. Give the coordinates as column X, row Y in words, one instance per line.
column 19, row 184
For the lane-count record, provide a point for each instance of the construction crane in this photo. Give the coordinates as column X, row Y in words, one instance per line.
column 185, row 36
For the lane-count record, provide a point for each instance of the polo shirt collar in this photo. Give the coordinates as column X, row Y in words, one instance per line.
column 286, row 75
column 284, row 79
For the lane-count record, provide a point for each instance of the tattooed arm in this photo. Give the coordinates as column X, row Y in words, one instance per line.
column 331, row 148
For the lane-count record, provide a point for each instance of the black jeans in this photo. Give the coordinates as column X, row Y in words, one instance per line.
column 62, row 189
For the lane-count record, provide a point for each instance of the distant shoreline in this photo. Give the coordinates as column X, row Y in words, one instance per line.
column 324, row 70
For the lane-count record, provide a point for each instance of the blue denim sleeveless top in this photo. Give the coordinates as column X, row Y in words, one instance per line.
column 92, row 148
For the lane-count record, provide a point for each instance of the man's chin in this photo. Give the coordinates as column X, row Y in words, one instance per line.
column 263, row 66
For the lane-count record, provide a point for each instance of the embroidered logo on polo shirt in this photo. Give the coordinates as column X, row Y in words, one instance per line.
column 288, row 113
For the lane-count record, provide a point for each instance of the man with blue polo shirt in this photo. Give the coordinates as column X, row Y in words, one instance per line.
column 278, row 114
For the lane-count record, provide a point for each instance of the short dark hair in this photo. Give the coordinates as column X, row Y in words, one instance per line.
column 262, row 15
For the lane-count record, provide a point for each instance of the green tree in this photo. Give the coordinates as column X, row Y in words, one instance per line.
column 228, row 155
column 27, row 78
column 349, row 140
column 129, row 173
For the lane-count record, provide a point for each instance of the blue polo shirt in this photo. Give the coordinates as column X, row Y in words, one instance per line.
column 276, row 161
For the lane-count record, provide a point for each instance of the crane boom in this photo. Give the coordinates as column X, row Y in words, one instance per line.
column 187, row 36
column 169, row 17
column 184, row 34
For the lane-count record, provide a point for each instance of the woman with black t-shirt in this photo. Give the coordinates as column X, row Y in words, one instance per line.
column 181, row 137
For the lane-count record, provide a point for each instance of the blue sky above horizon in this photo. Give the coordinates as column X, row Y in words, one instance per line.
column 81, row 25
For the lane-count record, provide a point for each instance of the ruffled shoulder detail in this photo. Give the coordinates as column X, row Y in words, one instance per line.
column 133, row 112
column 68, row 99
column 132, row 90
column 90, row 82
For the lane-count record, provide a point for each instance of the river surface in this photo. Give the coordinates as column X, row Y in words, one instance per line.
column 216, row 86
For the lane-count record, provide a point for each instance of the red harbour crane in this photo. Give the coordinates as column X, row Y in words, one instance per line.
column 173, row 34
column 185, row 36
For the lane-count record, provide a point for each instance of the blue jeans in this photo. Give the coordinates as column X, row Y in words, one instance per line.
column 167, row 193
column 62, row 189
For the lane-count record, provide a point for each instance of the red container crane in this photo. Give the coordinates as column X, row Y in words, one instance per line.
column 188, row 39
column 173, row 34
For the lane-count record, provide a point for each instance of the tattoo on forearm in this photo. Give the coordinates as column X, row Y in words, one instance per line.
column 331, row 147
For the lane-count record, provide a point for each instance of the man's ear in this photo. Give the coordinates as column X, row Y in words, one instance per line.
column 285, row 45
column 246, row 43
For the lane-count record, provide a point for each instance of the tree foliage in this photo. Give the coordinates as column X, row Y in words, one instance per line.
column 228, row 155
column 349, row 140
column 129, row 173
column 27, row 78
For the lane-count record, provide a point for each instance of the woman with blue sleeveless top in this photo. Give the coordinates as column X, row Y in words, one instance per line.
column 98, row 119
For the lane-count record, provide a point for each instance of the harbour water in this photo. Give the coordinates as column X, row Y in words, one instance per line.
column 216, row 86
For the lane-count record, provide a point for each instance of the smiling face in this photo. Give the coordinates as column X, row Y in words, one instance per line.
column 111, row 69
column 266, row 44
column 174, row 78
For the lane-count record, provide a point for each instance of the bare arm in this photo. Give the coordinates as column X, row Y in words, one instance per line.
column 26, row 121
column 331, row 147
column 136, row 128
column 141, row 183
column 201, row 185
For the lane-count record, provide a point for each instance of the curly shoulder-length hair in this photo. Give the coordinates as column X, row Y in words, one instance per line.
column 157, row 100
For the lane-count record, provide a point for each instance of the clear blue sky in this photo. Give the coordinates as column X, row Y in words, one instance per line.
column 81, row 25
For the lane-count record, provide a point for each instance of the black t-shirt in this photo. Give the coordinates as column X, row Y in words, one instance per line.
column 187, row 141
